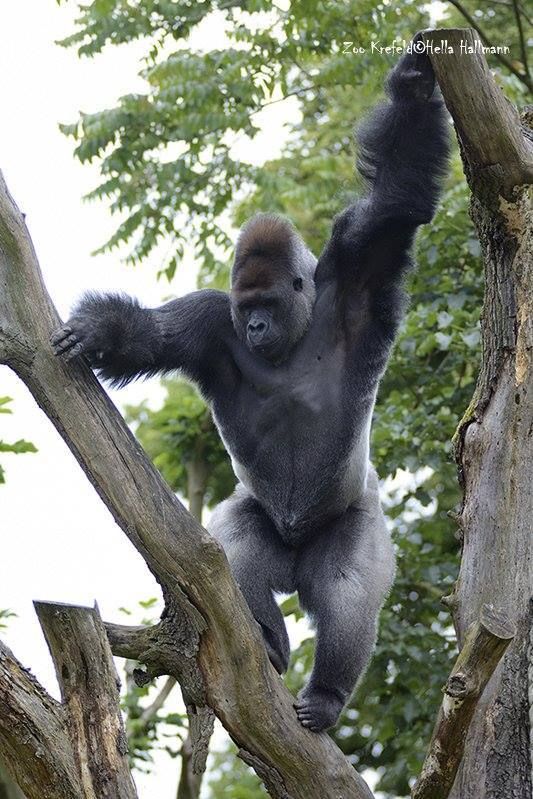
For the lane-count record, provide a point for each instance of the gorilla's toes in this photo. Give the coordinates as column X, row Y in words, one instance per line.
column 318, row 709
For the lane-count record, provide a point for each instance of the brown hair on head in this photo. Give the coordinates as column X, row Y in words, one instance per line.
column 264, row 236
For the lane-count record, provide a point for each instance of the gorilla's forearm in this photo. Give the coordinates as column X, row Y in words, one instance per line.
column 403, row 153
column 115, row 333
column 123, row 340
column 404, row 147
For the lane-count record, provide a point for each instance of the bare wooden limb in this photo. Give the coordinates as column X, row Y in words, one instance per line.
column 131, row 642
column 33, row 739
column 89, row 687
column 483, row 648
column 207, row 638
column 488, row 126
column 502, row 58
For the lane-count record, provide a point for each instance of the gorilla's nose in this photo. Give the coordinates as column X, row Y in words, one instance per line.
column 257, row 328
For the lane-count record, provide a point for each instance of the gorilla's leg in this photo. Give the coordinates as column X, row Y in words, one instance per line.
column 342, row 577
column 261, row 564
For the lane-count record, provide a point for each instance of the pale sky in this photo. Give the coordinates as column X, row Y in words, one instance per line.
column 57, row 540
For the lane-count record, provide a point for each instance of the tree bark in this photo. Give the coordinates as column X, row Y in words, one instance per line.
column 89, row 684
column 8, row 789
column 483, row 647
column 74, row 749
column 207, row 638
column 494, row 442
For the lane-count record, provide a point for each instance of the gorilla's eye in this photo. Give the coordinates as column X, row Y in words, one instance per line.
column 297, row 284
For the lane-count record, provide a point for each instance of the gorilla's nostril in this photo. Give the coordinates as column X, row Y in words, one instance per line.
column 257, row 327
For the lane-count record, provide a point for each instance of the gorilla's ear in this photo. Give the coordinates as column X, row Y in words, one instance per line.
column 271, row 236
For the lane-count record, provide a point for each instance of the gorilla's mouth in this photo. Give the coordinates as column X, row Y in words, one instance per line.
column 271, row 349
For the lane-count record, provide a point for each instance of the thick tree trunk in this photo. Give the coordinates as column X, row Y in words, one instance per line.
column 495, row 457
column 494, row 442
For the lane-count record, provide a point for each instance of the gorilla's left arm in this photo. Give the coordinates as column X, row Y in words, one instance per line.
column 404, row 147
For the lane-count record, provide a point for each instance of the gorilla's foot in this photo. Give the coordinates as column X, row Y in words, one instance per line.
column 317, row 708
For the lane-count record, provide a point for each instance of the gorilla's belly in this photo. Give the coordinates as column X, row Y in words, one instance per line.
column 294, row 454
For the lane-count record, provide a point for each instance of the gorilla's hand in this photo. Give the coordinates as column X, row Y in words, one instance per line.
column 79, row 336
column 413, row 78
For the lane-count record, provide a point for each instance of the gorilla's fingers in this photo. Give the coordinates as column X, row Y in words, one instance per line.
column 58, row 335
column 76, row 350
column 64, row 341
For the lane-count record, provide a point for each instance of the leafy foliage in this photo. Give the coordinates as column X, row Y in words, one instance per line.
column 169, row 156
column 16, row 447
column 5, row 614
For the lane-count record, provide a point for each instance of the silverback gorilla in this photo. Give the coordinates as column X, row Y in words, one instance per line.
column 290, row 362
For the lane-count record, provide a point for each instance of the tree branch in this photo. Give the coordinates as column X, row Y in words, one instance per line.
column 207, row 638
column 484, row 646
column 89, row 684
column 487, row 125
column 149, row 714
column 502, row 58
column 33, row 740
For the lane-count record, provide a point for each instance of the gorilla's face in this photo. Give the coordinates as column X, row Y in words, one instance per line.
column 272, row 288
column 271, row 311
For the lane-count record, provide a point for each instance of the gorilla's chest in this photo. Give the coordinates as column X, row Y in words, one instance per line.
column 292, row 435
column 303, row 394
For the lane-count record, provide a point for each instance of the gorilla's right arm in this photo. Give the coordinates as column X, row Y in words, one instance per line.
column 123, row 340
column 404, row 146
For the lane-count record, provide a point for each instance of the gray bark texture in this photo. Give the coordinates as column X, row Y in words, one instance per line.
column 494, row 442
column 74, row 749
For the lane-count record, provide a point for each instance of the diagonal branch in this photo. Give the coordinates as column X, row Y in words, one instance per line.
column 483, row 648
column 150, row 713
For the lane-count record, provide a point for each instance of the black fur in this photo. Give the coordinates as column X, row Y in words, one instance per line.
column 290, row 363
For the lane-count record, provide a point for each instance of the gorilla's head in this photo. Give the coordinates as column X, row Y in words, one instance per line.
column 272, row 287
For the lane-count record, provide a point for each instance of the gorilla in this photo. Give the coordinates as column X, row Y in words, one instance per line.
column 290, row 362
